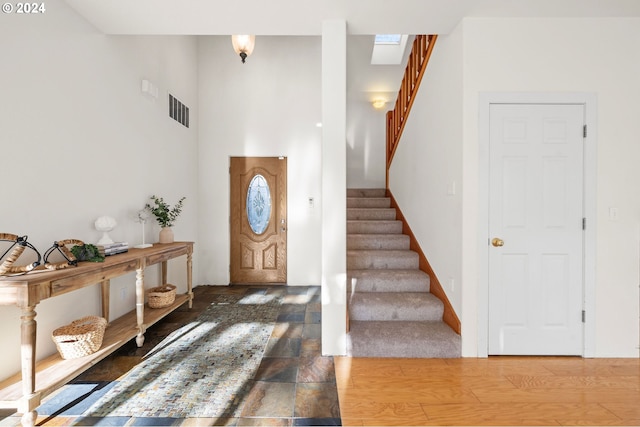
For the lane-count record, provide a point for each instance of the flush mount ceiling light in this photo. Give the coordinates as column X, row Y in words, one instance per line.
column 378, row 103
column 243, row 45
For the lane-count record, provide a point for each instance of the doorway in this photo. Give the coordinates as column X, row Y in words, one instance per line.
column 537, row 194
column 258, row 220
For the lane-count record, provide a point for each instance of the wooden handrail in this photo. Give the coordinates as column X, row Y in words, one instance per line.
column 416, row 66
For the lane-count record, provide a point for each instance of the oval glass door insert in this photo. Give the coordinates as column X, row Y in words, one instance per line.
column 258, row 204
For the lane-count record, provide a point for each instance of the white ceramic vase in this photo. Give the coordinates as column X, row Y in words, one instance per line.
column 166, row 235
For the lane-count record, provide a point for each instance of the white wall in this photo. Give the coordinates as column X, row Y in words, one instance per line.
column 566, row 55
column 366, row 126
column 426, row 173
column 78, row 140
column 268, row 106
column 440, row 147
column 366, row 141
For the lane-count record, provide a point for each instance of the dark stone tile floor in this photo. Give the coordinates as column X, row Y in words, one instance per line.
column 294, row 385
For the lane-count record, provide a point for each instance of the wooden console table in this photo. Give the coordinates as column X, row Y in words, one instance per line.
column 24, row 391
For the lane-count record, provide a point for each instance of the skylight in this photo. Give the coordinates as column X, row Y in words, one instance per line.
column 388, row 39
column 388, row 49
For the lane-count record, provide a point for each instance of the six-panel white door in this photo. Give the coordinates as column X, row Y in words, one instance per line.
column 535, row 229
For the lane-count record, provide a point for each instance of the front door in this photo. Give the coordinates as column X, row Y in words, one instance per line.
column 258, row 220
column 536, row 229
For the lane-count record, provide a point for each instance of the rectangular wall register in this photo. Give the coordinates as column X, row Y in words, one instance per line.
column 178, row 111
column 25, row 390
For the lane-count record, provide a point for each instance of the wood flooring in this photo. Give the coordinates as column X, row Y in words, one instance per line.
column 512, row 391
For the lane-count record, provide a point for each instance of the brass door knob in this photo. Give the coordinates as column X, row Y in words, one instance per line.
column 497, row 242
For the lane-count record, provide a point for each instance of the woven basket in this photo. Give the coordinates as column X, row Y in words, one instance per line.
column 161, row 296
column 80, row 338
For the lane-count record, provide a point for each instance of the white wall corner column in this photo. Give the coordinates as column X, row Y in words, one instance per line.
column 334, row 178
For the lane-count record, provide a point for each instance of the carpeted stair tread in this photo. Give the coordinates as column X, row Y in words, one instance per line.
column 366, row 192
column 388, row 281
column 374, row 227
column 403, row 339
column 391, row 311
column 371, row 214
column 368, row 202
column 382, row 259
column 378, row 241
column 395, row 306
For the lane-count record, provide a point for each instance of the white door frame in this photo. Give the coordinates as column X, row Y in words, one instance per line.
column 590, row 180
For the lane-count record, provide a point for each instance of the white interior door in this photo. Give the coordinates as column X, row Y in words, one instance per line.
column 536, row 230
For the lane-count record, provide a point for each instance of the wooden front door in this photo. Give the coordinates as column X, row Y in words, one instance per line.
column 258, row 220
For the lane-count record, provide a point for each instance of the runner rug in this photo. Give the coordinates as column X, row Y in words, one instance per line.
column 203, row 369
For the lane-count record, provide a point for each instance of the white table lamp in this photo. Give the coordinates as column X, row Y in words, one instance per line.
column 143, row 214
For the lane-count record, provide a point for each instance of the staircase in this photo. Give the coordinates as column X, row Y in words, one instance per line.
column 391, row 311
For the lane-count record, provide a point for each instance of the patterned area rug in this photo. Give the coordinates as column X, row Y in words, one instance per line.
column 201, row 370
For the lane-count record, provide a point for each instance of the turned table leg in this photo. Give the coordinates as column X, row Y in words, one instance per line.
column 105, row 290
column 190, row 278
column 28, row 419
column 140, row 305
column 30, row 399
column 163, row 273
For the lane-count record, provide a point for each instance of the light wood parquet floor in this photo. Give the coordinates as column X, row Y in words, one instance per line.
column 500, row 391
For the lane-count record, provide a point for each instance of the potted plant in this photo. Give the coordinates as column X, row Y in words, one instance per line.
column 165, row 215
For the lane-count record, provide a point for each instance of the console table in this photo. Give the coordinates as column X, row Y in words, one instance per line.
column 24, row 391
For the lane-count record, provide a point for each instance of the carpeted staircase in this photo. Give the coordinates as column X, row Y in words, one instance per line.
column 391, row 312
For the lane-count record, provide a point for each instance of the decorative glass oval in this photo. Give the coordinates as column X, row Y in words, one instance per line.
column 258, row 204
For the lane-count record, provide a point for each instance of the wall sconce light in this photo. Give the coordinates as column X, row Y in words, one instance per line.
column 378, row 103
column 243, row 45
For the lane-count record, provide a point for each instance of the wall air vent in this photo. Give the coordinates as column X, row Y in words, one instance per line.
column 178, row 111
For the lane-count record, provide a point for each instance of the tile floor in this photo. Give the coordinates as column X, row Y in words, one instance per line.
column 294, row 386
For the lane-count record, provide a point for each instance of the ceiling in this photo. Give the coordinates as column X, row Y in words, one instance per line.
column 304, row 18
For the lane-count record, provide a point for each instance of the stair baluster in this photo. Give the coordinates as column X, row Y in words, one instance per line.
column 416, row 66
